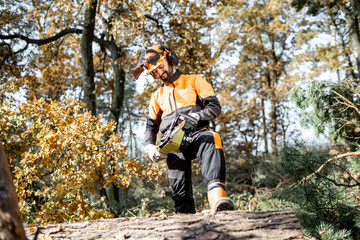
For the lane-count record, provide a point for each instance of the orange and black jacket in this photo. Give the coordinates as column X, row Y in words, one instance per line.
column 187, row 93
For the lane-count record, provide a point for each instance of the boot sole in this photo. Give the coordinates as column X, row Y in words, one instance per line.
column 224, row 205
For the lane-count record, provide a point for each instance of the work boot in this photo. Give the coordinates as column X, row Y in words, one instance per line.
column 217, row 198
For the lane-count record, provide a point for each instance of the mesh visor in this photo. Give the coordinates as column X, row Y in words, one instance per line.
column 150, row 59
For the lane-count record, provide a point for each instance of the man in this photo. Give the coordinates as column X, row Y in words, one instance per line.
column 193, row 95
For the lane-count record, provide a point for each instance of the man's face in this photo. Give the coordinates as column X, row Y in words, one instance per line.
column 163, row 72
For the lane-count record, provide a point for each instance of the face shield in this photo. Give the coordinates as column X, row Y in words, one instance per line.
column 149, row 59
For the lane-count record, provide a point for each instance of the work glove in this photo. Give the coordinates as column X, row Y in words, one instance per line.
column 152, row 151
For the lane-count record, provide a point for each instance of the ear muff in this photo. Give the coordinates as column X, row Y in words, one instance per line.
column 172, row 57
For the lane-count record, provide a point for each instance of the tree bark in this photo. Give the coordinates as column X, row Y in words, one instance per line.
column 353, row 20
column 88, row 73
column 118, row 89
column 223, row 225
column 119, row 84
column 11, row 226
column 113, row 192
column 273, row 123
column 264, row 125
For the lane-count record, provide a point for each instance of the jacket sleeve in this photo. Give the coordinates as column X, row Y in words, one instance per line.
column 211, row 107
column 153, row 121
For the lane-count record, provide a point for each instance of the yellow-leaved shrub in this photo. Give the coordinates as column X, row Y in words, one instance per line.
column 61, row 157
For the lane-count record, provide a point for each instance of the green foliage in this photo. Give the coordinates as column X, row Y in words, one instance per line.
column 313, row 6
column 247, row 201
column 326, row 204
column 328, row 232
column 60, row 155
column 143, row 199
column 332, row 107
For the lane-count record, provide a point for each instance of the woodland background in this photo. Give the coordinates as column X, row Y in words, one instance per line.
column 70, row 111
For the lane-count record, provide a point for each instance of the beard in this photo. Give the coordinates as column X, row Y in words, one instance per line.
column 169, row 74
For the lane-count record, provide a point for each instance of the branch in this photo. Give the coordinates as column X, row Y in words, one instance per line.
column 41, row 41
column 350, row 104
column 341, row 184
column 350, row 154
column 350, row 176
column 158, row 24
column 340, row 85
column 11, row 54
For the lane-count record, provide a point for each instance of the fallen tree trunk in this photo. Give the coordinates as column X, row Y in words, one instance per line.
column 11, row 226
column 223, row 225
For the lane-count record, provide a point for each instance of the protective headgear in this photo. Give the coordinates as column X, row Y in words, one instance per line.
column 152, row 57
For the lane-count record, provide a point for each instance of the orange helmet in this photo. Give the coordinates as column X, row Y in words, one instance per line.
column 152, row 57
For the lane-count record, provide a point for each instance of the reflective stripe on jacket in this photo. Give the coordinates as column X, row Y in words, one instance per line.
column 187, row 93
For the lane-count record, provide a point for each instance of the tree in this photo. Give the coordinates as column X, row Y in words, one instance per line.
column 51, row 46
column 323, row 97
column 25, row 30
column 88, row 73
column 320, row 187
column 337, row 9
column 58, row 29
column 330, row 104
column 61, row 51
column 10, row 218
column 261, row 37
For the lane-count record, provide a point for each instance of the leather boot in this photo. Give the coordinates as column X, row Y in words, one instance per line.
column 217, row 198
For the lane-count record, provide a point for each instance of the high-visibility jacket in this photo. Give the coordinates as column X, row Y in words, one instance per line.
column 186, row 93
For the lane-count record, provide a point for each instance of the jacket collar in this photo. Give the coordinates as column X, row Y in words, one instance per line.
column 174, row 77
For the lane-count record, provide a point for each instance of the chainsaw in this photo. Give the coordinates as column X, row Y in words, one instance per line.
column 177, row 137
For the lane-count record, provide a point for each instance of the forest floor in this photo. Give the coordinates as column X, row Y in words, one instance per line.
column 222, row 225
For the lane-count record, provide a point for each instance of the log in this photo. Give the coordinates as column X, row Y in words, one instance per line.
column 222, row 225
column 11, row 226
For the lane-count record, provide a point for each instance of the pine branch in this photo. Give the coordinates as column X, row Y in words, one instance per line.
column 340, row 156
column 349, row 103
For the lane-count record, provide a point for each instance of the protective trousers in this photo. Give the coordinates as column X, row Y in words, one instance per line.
column 207, row 148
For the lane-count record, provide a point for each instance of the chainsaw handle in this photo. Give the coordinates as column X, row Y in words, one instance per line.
column 190, row 121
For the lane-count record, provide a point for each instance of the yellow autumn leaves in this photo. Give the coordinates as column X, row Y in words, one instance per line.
column 61, row 157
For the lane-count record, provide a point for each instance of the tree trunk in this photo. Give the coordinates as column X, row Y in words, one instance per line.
column 353, row 20
column 117, row 102
column 113, row 193
column 119, row 84
column 264, row 125
column 88, row 73
column 273, row 122
column 11, row 227
column 223, row 225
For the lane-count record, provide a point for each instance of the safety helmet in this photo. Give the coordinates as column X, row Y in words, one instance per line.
column 152, row 57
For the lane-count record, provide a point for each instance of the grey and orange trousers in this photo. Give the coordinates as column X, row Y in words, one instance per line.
column 206, row 146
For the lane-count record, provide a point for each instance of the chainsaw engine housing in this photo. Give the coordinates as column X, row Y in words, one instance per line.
column 177, row 138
